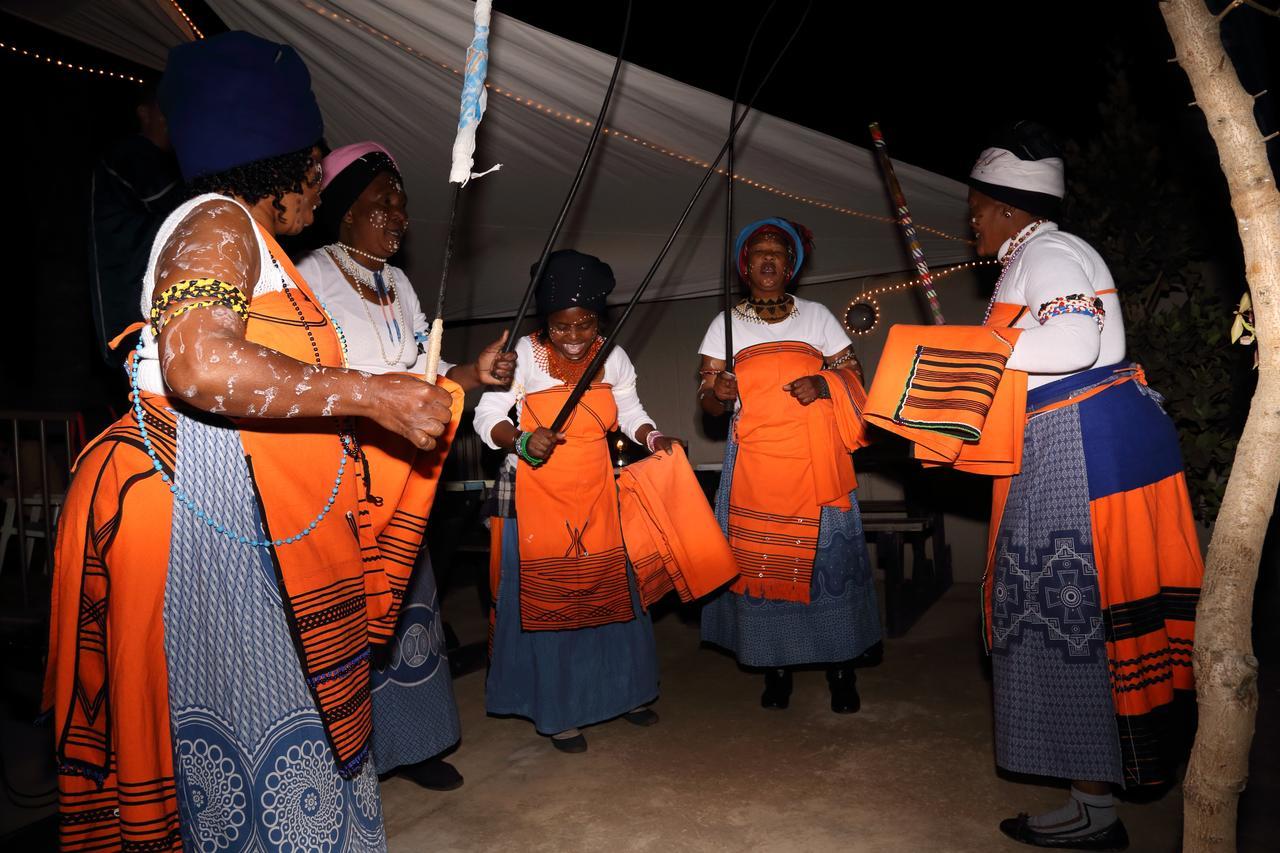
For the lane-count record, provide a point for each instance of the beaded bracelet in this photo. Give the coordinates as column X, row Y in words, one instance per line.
column 211, row 291
column 844, row 359
column 652, row 438
column 522, row 449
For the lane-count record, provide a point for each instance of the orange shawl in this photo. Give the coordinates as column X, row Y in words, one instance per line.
column 106, row 678
column 672, row 537
column 792, row 461
column 573, row 570
column 946, row 389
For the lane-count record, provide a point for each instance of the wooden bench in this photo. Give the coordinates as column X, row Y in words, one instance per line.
column 893, row 528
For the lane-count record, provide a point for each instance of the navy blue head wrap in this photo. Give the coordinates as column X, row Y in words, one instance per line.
column 235, row 99
column 573, row 280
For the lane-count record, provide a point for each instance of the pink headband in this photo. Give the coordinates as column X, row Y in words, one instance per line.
column 341, row 158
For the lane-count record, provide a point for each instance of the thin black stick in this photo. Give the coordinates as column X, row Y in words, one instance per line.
column 729, row 275
column 573, row 191
column 437, row 325
column 610, row 342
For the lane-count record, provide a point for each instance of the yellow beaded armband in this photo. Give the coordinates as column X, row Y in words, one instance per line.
column 209, row 292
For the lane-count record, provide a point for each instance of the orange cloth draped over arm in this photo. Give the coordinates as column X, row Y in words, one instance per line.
column 573, row 569
column 672, row 537
column 792, row 461
column 946, row 389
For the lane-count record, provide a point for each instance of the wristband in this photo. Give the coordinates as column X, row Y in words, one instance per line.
column 652, row 438
column 522, row 449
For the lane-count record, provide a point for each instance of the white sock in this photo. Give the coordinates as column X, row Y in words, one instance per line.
column 1082, row 814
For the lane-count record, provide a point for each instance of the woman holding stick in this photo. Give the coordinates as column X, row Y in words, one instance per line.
column 804, row 594
column 572, row 645
column 364, row 214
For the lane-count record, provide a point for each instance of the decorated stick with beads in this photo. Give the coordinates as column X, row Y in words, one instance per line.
column 904, row 221
column 464, row 146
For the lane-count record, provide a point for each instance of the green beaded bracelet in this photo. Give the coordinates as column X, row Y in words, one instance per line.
column 522, row 449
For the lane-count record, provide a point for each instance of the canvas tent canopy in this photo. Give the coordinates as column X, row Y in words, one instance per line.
column 390, row 70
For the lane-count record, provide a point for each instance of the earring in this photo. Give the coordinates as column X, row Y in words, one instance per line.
column 1008, row 215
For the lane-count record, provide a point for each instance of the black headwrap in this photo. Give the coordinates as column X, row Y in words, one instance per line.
column 573, row 280
column 341, row 192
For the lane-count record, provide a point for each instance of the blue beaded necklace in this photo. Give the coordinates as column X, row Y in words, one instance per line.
column 185, row 500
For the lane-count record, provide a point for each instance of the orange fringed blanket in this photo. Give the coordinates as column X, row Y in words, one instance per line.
column 573, row 570
column 671, row 534
column 946, row 389
column 792, row 461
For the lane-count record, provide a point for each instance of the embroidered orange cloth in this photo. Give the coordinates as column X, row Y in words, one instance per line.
column 106, row 678
column 573, row 570
column 672, row 537
column 947, row 390
column 792, row 461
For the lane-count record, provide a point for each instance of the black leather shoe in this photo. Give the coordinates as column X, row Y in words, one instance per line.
column 577, row 743
column 641, row 717
column 777, row 689
column 843, row 681
column 1113, row 837
column 434, row 774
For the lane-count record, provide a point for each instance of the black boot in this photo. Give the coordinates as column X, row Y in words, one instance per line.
column 777, row 689
column 434, row 774
column 843, row 681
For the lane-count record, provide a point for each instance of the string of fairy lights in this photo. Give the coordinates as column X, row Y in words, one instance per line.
column 537, row 106
column 67, row 64
column 862, row 314
column 190, row 23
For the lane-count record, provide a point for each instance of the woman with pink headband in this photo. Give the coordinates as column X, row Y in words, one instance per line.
column 364, row 213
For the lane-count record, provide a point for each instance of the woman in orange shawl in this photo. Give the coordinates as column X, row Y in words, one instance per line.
column 216, row 583
column 572, row 644
column 805, row 593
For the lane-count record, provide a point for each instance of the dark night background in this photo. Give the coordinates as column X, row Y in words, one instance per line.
column 937, row 76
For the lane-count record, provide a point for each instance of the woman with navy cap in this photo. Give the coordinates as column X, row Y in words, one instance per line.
column 217, row 588
column 804, row 595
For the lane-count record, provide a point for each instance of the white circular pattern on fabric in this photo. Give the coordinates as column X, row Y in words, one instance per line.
column 216, row 794
column 302, row 804
column 1071, row 596
column 415, row 645
column 366, row 796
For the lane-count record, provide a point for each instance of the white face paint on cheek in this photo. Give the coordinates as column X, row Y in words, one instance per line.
column 378, row 218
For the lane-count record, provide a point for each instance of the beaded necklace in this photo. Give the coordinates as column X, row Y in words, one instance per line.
column 547, row 357
column 182, row 499
column 767, row 311
column 1006, row 263
column 383, row 292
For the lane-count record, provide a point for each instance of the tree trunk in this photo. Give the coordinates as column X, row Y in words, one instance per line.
column 1225, row 668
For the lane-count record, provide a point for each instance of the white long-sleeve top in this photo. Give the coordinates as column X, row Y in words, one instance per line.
column 530, row 378
column 362, row 322
column 1055, row 264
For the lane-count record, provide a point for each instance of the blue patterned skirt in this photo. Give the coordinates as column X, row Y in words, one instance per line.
column 414, row 713
column 252, row 765
column 842, row 618
column 565, row 679
column 1054, row 712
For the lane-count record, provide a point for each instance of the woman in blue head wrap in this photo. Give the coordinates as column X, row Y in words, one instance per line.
column 795, row 403
column 216, row 586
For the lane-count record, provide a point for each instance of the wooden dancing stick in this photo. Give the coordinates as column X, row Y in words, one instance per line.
column 904, row 221
column 573, row 191
column 730, row 272
column 610, row 342
column 464, row 146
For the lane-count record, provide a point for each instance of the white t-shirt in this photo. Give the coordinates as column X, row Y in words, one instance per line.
column 1053, row 264
column 352, row 312
column 812, row 324
column 530, row 377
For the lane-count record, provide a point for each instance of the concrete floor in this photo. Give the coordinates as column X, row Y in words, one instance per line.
column 912, row 771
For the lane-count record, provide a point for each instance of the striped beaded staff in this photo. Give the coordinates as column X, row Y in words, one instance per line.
column 904, row 221
column 474, row 98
